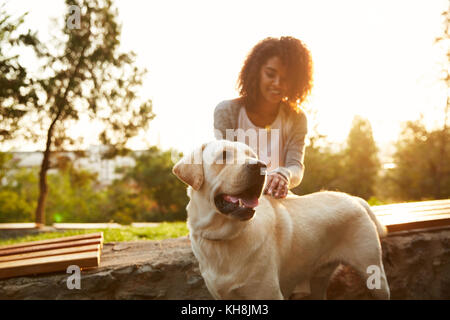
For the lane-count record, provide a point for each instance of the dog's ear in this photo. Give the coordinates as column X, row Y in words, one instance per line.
column 190, row 168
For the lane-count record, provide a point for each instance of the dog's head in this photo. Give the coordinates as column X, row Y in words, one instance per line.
column 229, row 174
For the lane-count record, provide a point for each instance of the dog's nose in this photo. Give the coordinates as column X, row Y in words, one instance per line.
column 257, row 166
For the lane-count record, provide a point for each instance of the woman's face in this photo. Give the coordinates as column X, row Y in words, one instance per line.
column 272, row 84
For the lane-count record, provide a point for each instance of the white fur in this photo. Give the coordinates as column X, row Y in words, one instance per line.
column 289, row 249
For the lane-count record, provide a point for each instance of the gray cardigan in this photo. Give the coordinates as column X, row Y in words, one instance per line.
column 293, row 134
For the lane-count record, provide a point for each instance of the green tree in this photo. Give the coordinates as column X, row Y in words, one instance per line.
column 16, row 93
column 84, row 73
column 127, row 203
column 422, row 157
column 441, row 166
column 419, row 164
column 5, row 165
column 74, row 195
column 13, row 208
column 323, row 167
column 361, row 163
column 18, row 195
column 153, row 176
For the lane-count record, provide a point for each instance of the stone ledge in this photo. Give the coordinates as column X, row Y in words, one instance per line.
column 417, row 267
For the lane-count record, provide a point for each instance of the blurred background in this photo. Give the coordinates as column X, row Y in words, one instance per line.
column 96, row 97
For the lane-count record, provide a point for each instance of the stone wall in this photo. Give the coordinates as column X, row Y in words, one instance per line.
column 417, row 266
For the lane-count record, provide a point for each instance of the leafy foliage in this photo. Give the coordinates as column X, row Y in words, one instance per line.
column 148, row 192
column 153, row 176
column 422, row 168
column 323, row 167
column 84, row 73
column 5, row 165
column 16, row 94
column 361, row 163
column 352, row 170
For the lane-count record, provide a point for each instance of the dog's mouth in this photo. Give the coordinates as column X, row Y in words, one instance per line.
column 241, row 206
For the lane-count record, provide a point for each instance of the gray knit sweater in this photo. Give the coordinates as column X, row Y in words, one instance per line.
column 293, row 134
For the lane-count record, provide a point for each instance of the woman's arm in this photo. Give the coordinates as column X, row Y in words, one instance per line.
column 295, row 151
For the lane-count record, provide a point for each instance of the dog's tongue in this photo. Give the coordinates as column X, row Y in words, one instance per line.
column 248, row 202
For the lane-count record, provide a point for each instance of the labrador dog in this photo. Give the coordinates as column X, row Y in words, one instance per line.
column 252, row 246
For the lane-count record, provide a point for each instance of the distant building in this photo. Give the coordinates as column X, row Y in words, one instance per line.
column 105, row 168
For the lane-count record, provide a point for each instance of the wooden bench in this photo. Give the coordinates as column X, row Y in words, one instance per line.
column 51, row 255
column 414, row 215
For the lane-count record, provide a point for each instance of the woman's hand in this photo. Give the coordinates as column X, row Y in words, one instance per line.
column 276, row 186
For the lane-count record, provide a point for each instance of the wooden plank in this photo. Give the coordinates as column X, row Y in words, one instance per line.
column 412, row 205
column 423, row 224
column 420, row 203
column 49, row 253
column 49, row 264
column 418, row 210
column 429, row 212
column 17, row 226
column 412, row 213
column 394, row 210
column 97, row 235
column 397, row 219
column 58, row 245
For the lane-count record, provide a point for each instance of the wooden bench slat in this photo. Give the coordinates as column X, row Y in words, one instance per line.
column 413, row 210
column 403, row 211
column 406, row 205
column 410, row 206
column 96, row 235
column 44, row 247
column 49, row 264
column 423, row 224
column 412, row 213
column 409, row 218
column 48, row 253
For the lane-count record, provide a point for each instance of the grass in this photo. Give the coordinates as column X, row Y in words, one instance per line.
column 165, row 230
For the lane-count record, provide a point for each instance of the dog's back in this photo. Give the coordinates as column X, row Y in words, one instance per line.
column 330, row 205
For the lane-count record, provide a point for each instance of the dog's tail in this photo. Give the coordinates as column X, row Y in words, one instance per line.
column 381, row 229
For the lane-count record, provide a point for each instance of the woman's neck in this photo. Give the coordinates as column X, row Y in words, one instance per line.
column 264, row 107
column 262, row 113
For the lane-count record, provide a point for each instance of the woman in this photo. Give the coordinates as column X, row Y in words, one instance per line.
column 275, row 79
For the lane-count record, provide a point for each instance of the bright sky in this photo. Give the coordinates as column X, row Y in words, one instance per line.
column 372, row 58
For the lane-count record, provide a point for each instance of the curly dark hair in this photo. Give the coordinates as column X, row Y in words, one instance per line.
column 294, row 55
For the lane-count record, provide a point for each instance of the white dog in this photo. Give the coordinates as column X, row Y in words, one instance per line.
column 251, row 246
